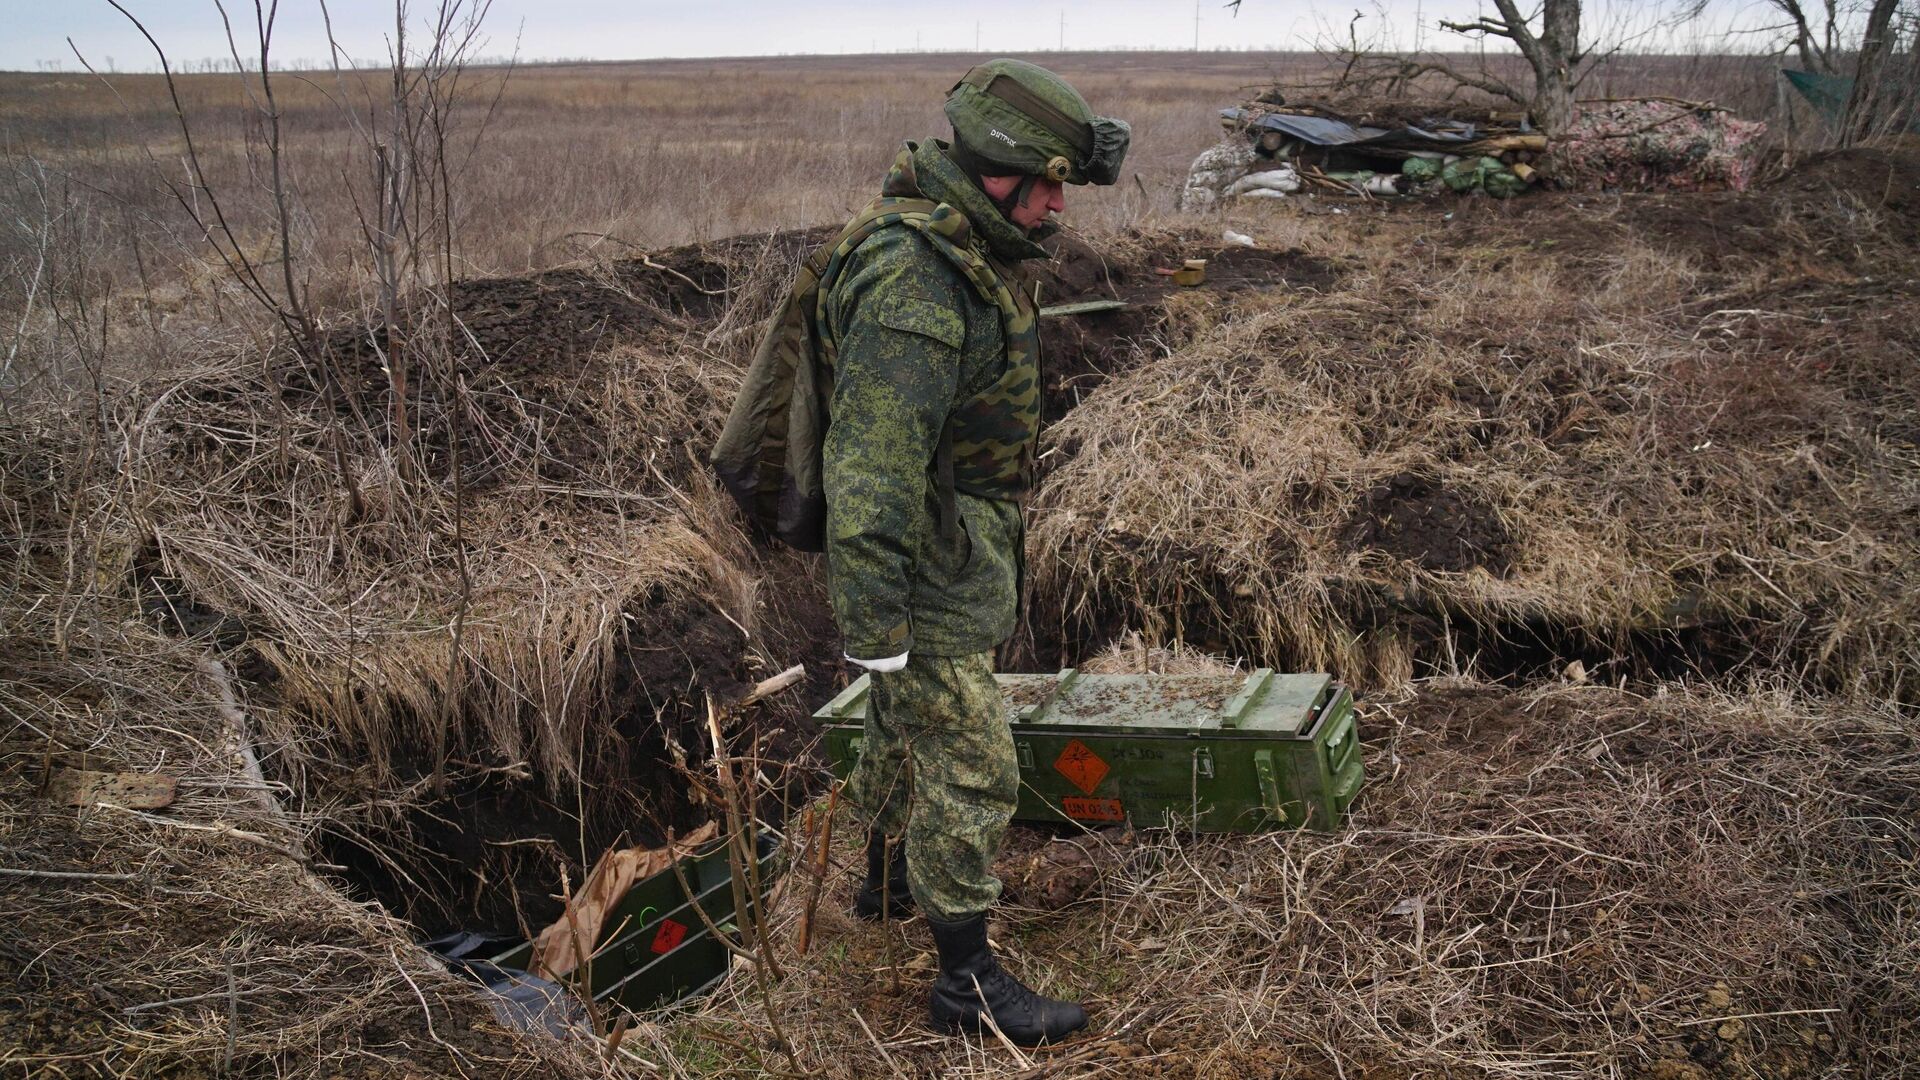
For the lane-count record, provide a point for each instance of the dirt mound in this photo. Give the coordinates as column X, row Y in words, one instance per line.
column 1886, row 178
column 1838, row 215
column 223, row 952
column 1083, row 350
column 1884, row 181
column 1540, row 445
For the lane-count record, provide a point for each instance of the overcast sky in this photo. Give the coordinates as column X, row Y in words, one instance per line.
column 34, row 32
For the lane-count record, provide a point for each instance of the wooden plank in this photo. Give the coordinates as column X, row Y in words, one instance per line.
column 129, row 790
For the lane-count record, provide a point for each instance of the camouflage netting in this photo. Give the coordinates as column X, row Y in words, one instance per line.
column 1659, row 146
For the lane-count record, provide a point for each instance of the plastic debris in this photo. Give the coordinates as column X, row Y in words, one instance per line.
column 520, row 1000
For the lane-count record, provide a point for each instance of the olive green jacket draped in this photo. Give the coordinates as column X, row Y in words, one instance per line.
column 914, row 341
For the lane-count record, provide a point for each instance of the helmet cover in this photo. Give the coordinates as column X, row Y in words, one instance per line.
column 1025, row 120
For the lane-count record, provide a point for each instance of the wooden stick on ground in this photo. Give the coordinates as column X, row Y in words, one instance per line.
column 770, row 686
column 64, row 875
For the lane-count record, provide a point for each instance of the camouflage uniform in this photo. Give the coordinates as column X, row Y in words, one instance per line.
column 916, row 342
column 939, row 766
column 1215, row 170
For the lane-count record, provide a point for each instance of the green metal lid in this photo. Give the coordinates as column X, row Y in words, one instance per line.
column 1263, row 702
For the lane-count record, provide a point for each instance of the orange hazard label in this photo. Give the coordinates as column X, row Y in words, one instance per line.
column 669, row 936
column 1081, row 765
column 1093, row 809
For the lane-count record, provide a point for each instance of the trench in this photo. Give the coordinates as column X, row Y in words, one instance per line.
column 489, row 852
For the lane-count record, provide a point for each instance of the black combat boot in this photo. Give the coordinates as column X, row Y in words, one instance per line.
column 866, row 900
column 971, row 985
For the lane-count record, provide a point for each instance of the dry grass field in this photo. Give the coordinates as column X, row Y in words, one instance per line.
column 1607, row 505
column 560, row 163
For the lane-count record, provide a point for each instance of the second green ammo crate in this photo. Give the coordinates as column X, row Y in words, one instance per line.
column 1216, row 753
column 655, row 948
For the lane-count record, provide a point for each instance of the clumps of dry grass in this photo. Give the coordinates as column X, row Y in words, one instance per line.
column 1590, row 449
column 1566, row 882
column 485, row 620
column 1132, row 653
column 521, row 645
column 196, row 939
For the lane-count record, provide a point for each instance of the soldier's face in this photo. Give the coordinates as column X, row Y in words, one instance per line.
column 1043, row 198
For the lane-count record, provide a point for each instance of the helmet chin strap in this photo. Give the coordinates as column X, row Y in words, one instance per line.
column 974, row 168
column 1019, row 196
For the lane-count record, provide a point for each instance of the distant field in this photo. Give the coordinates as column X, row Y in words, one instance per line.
column 648, row 153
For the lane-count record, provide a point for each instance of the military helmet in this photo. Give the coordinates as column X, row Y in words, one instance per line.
column 1018, row 118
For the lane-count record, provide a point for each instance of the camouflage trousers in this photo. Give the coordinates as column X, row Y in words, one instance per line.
column 938, row 764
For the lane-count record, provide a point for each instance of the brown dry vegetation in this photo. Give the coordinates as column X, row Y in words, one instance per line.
column 1594, row 419
column 1672, row 437
column 565, row 161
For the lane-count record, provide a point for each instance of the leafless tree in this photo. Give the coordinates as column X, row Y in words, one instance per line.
column 407, row 217
column 406, row 213
column 285, row 299
column 1551, row 45
column 1814, row 46
column 1870, row 104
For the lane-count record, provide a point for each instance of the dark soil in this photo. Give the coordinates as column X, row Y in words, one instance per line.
column 1054, row 868
column 554, row 321
column 522, row 349
column 1881, row 178
column 489, row 854
column 1777, row 229
column 1431, row 526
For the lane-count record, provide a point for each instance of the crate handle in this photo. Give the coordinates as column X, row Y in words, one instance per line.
column 1342, row 742
column 1269, row 782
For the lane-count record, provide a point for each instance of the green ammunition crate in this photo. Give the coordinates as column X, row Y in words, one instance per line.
column 654, row 948
column 1216, row 753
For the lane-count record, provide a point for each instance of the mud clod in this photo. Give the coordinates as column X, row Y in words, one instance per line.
column 1432, row 526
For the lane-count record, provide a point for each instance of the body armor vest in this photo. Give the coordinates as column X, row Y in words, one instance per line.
column 769, row 455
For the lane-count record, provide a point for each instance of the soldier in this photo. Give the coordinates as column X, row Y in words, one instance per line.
column 934, row 408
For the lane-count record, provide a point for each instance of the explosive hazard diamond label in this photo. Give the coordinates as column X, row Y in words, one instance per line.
column 669, row 936
column 1081, row 765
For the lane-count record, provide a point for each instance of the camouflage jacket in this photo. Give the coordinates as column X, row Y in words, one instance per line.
column 915, row 340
